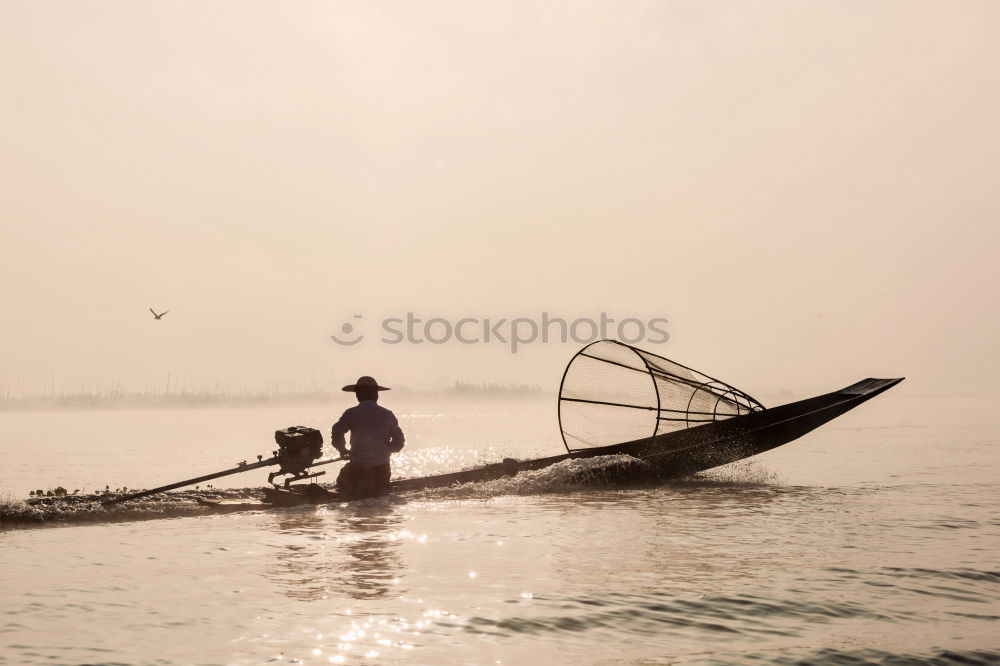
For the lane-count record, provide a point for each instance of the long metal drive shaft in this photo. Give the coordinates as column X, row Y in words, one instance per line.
column 190, row 482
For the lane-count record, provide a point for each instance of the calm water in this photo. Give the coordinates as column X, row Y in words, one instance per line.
column 872, row 540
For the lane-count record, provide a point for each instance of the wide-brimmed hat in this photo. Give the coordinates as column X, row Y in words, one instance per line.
column 365, row 382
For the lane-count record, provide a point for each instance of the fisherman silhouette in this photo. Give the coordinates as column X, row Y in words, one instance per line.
column 158, row 316
column 375, row 435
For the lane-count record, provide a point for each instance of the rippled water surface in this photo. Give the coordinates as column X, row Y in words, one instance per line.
column 872, row 540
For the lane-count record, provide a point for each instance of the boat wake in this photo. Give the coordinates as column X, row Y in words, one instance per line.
column 618, row 472
column 83, row 509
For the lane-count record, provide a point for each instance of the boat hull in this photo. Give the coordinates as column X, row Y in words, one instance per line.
column 698, row 449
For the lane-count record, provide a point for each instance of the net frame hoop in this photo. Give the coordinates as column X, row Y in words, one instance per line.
column 656, row 387
column 562, row 382
column 658, row 372
column 752, row 402
column 723, row 390
column 721, row 395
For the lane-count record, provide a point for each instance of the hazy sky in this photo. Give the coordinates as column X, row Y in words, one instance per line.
column 806, row 190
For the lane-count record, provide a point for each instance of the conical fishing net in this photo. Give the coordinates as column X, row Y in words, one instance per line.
column 613, row 393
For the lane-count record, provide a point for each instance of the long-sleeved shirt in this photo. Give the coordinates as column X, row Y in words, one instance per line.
column 375, row 434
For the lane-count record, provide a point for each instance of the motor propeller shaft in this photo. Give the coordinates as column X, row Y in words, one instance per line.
column 299, row 448
column 242, row 467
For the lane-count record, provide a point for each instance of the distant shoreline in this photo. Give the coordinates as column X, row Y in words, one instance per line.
column 208, row 399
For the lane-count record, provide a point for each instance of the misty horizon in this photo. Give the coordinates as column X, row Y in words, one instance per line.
column 805, row 195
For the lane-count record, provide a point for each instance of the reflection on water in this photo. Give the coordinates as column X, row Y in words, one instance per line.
column 373, row 550
column 350, row 550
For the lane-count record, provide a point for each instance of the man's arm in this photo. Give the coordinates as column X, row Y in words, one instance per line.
column 337, row 433
column 396, row 439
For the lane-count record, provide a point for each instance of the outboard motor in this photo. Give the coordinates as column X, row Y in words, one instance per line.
column 298, row 447
column 298, row 450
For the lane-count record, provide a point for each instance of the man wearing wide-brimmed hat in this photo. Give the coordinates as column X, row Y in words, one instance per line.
column 375, row 435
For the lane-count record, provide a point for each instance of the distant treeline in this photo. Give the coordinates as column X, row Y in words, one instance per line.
column 491, row 388
column 272, row 396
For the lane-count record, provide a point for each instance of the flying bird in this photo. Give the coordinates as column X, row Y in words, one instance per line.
column 158, row 316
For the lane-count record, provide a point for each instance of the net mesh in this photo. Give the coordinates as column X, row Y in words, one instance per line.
column 613, row 393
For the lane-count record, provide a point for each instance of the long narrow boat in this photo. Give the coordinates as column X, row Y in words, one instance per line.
column 617, row 399
column 662, row 419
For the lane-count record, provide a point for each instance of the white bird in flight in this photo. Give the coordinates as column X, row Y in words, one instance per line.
column 158, row 316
